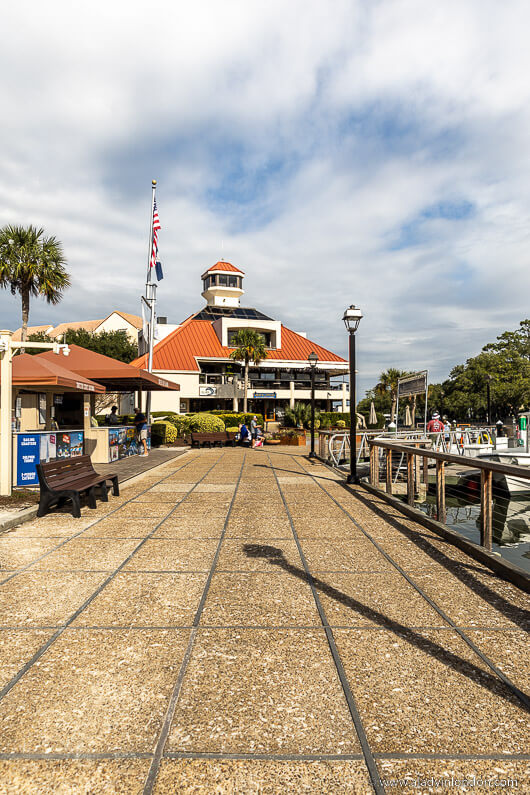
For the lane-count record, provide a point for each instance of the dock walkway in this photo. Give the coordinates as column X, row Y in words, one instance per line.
column 240, row 622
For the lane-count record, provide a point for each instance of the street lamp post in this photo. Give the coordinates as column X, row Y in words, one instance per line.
column 352, row 317
column 312, row 359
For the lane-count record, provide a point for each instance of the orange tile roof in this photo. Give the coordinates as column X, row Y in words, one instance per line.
column 197, row 338
column 88, row 325
column 134, row 320
column 17, row 335
column 224, row 266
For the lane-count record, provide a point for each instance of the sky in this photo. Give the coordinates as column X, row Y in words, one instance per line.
column 367, row 152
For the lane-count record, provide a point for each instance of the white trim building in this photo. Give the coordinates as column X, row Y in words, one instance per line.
column 196, row 355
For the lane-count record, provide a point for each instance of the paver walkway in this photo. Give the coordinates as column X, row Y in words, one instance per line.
column 240, row 622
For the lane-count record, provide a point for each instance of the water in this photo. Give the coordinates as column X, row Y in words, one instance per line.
column 511, row 523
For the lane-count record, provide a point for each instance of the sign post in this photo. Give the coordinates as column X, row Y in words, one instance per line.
column 409, row 385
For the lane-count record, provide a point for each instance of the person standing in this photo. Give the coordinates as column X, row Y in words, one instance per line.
column 113, row 418
column 254, row 430
column 435, row 425
column 140, row 424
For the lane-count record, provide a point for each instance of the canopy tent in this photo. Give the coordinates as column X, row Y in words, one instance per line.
column 36, row 373
column 116, row 376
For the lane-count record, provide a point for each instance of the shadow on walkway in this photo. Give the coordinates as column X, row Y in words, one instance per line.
column 460, row 570
column 276, row 557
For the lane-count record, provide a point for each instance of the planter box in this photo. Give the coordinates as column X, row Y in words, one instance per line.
column 294, row 441
column 272, row 441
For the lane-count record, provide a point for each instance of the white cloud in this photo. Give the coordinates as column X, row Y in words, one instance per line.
column 305, row 142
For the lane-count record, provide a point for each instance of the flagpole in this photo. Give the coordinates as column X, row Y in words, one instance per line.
column 150, row 295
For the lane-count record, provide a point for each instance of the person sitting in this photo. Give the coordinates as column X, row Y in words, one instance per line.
column 244, row 436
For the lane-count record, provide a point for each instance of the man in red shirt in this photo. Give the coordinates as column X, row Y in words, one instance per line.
column 435, row 425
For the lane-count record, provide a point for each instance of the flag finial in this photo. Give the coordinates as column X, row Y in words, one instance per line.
column 153, row 181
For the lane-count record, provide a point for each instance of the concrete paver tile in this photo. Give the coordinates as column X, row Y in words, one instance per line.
column 423, row 776
column 508, row 650
column 91, row 554
column 374, row 599
column 415, row 555
column 272, row 527
column 121, row 528
column 94, row 691
column 17, row 646
column 272, row 691
column 259, row 599
column 262, row 777
column 216, row 488
column 163, row 554
column 243, row 555
column 45, row 598
column 349, row 555
column 138, row 598
column 188, row 529
column 171, row 487
column 40, row 529
column 158, row 497
column 18, row 552
column 73, row 776
column 426, row 691
column 138, row 510
column 476, row 600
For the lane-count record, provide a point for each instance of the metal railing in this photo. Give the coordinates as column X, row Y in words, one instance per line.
column 384, row 452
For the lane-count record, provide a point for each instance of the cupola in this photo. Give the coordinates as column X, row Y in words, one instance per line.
column 222, row 284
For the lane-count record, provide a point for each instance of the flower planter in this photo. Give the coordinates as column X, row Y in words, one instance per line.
column 272, row 441
column 294, row 441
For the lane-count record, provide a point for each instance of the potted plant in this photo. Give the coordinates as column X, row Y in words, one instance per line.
column 292, row 436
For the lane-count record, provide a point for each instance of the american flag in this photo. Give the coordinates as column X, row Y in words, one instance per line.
column 156, row 227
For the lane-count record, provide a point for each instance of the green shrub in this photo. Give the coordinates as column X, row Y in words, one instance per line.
column 181, row 423
column 300, row 415
column 163, row 432
column 206, row 423
column 232, row 428
column 329, row 419
column 237, row 417
column 340, row 424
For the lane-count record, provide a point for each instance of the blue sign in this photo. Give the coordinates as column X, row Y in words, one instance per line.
column 264, row 395
column 28, row 456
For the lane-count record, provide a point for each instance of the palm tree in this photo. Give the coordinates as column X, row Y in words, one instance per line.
column 32, row 264
column 388, row 381
column 249, row 346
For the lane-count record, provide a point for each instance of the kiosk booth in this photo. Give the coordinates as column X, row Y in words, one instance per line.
column 111, row 443
column 42, row 428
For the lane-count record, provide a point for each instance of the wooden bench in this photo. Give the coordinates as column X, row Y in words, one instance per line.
column 211, row 439
column 65, row 479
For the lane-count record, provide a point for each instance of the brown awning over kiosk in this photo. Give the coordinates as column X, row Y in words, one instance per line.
column 116, row 376
column 35, row 372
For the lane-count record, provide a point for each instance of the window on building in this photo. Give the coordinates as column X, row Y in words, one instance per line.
column 267, row 336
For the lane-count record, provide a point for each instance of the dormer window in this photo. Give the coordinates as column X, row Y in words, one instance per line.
column 267, row 337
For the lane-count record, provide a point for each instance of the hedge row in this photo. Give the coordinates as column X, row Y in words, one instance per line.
column 236, row 417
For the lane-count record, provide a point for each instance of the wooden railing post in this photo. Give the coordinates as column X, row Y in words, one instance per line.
column 374, row 475
column 389, row 471
column 426, row 470
column 486, row 505
column 440, row 491
column 410, row 478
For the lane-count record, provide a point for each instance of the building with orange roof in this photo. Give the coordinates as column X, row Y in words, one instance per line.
column 196, row 355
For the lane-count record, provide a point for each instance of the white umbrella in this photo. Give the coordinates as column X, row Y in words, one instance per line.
column 372, row 419
column 408, row 418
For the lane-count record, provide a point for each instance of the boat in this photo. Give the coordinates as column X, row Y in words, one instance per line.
column 504, row 483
